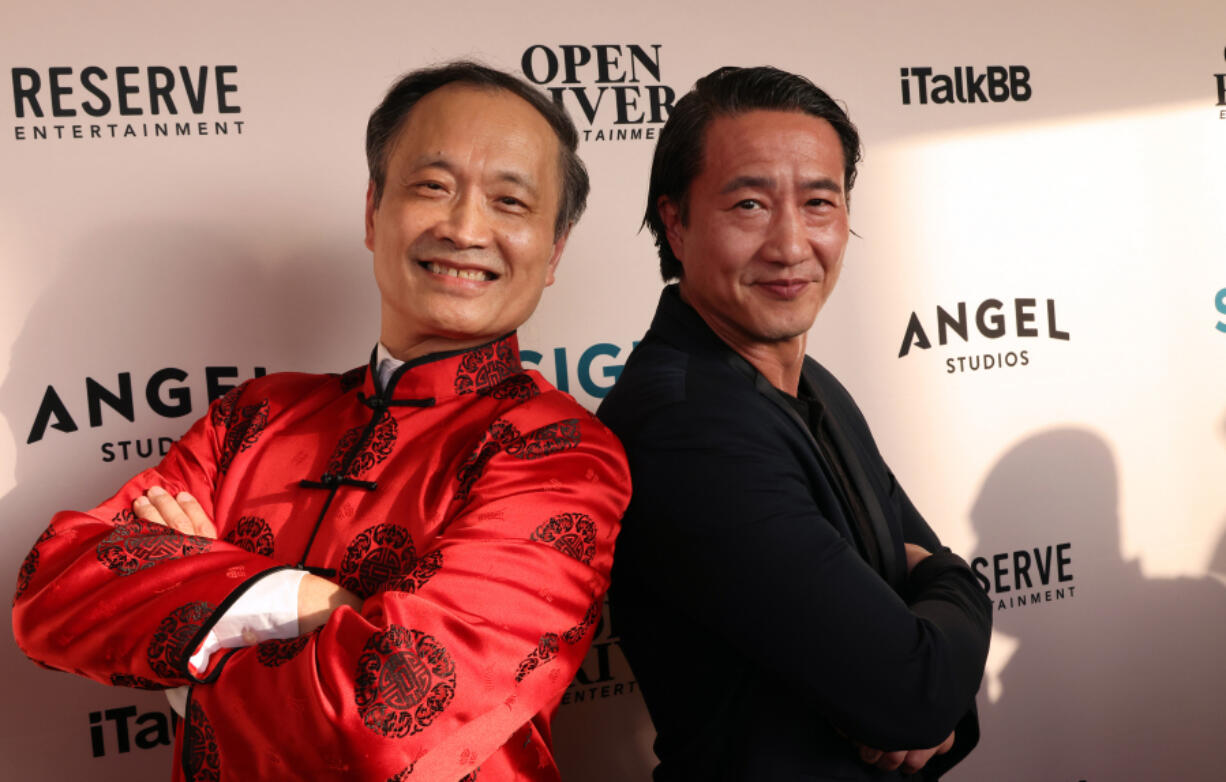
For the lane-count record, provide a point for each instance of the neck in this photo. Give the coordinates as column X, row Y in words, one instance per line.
column 779, row 361
column 408, row 349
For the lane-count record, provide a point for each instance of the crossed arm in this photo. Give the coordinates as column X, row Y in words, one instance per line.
column 317, row 597
column 501, row 617
column 740, row 506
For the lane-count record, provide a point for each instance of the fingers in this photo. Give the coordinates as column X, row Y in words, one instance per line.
column 909, row 762
column 887, row 761
column 948, row 744
column 891, row 760
column 870, row 755
column 200, row 520
column 917, row 759
column 147, row 511
column 915, row 555
column 181, row 512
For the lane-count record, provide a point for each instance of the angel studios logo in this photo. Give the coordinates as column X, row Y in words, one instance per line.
column 96, row 102
column 168, row 393
column 615, row 91
column 1015, row 323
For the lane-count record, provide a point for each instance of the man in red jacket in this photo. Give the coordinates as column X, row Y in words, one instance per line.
column 393, row 572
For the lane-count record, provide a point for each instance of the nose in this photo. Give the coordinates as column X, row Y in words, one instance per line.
column 788, row 239
column 465, row 224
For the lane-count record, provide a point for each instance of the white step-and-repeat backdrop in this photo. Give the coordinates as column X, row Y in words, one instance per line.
column 1032, row 314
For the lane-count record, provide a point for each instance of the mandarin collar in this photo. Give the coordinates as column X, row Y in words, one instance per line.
column 437, row 377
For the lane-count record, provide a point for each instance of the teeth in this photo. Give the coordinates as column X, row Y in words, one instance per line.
column 464, row 274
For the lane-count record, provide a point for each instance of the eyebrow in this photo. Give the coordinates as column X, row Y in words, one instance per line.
column 513, row 177
column 761, row 182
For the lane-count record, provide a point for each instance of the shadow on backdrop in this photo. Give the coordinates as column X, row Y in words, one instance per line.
column 1119, row 680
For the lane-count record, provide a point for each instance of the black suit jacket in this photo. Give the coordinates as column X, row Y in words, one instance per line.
column 762, row 639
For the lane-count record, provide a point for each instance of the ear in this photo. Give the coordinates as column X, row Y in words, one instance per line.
column 558, row 245
column 370, row 215
column 670, row 215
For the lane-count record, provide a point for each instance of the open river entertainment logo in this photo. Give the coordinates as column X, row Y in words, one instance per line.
column 125, row 102
column 613, row 91
column 990, row 319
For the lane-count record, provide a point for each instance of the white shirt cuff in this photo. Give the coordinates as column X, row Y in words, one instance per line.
column 268, row 610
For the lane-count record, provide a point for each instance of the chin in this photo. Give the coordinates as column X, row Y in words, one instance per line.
column 782, row 331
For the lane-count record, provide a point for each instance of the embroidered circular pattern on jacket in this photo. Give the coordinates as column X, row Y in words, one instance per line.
column 549, row 439
column 484, row 367
column 174, row 633
column 576, row 633
column 203, row 759
column 545, row 650
column 30, row 564
column 423, row 569
column 374, row 450
column 224, row 408
column 405, row 679
column 375, row 556
column 136, row 545
column 574, row 534
column 280, row 651
column 518, row 387
column 244, row 425
column 252, row 534
column 139, row 682
column 472, row 468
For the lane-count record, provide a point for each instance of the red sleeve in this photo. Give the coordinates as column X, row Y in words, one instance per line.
column 444, row 665
column 123, row 601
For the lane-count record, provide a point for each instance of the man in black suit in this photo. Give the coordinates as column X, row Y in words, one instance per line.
column 788, row 613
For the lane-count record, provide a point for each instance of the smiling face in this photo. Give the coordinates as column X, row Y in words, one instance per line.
column 765, row 229
column 463, row 236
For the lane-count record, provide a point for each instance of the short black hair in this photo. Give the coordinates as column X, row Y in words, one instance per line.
column 389, row 116
column 723, row 92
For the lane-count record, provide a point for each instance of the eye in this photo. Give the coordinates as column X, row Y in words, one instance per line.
column 819, row 202
column 511, row 204
column 429, row 187
column 748, row 204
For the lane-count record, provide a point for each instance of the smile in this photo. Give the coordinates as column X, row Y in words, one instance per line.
column 479, row 275
column 784, row 289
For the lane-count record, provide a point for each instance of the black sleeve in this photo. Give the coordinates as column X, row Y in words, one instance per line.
column 731, row 525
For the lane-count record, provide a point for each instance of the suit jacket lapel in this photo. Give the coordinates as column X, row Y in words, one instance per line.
column 880, row 529
column 855, row 471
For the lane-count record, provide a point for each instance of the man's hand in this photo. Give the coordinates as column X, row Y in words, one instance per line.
column 915, row 555
column 910, row 761
column 318, row 598
column 181, row 512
